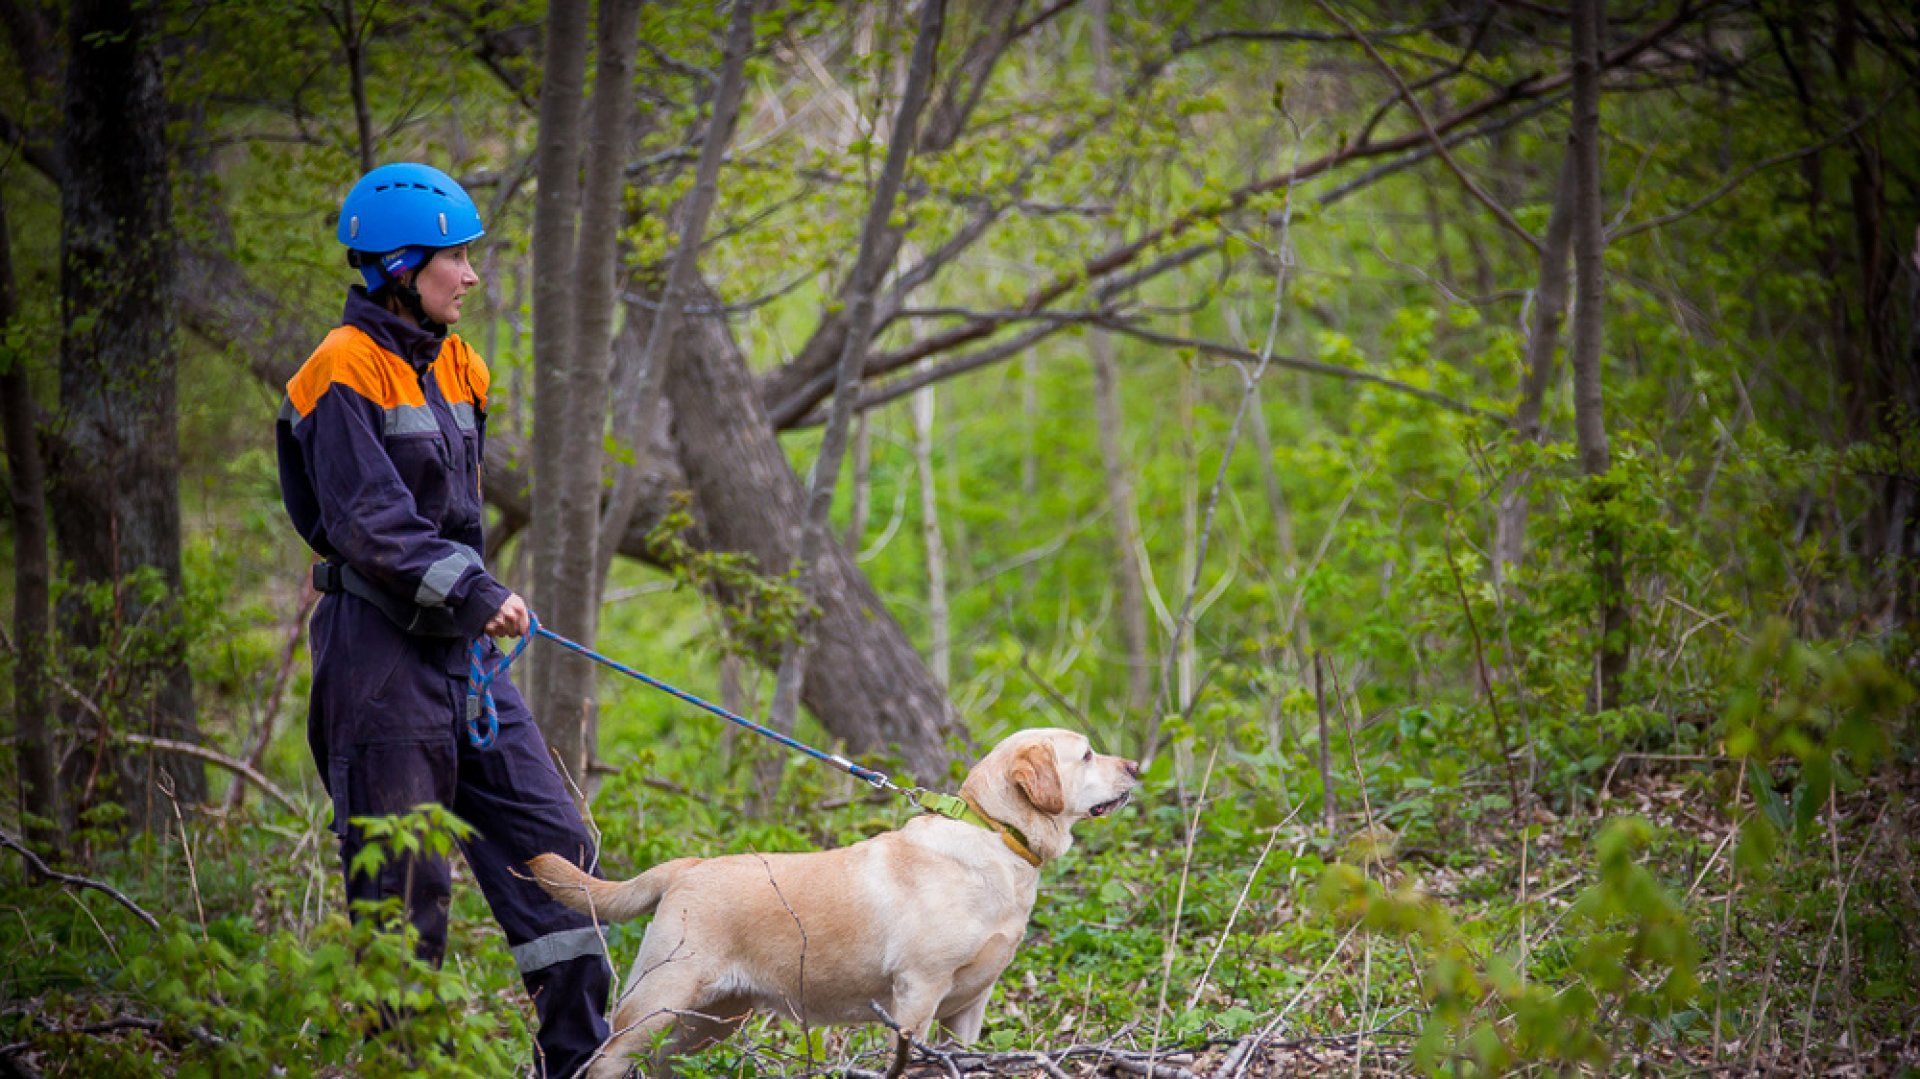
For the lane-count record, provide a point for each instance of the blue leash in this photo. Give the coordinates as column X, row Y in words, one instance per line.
column 480, row 702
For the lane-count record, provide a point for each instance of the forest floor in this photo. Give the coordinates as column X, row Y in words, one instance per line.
column 1098, row 989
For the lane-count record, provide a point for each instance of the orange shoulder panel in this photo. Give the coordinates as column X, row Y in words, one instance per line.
column 348, row 357
column 462, row 373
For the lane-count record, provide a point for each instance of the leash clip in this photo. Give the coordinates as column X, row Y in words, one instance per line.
column 950, row 806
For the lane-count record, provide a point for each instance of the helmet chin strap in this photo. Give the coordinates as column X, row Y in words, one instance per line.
column 409, row 296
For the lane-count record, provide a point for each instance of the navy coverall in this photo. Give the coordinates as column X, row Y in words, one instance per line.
column 380, row 443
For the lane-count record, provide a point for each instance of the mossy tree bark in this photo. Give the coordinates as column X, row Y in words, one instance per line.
column 1589, row 403
column 115, row 499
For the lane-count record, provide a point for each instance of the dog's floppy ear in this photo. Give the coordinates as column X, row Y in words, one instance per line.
column 1033, row 772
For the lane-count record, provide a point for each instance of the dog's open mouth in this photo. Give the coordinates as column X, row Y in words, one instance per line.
column 1105, row 808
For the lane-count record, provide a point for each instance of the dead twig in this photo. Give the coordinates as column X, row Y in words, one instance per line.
column 906, row 1042
column 1486, row 682
column 164, row 780
column 1836, row 927
column 186, row 749
column 288, row 651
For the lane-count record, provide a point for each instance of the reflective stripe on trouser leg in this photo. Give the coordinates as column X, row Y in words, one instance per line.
column 513, row 795
column 543, row 952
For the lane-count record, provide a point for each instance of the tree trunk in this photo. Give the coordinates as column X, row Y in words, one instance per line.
column 1186, row 660
column 1589, row 243
column 558, row 683
column 352, row 39
column 869, row 687
column 1543, row 338
column 1886, row 394
column 1299, row 642
column 640, row 383
column 1029, row 377
column 116, row 509
column 1122, row 511
column 40, row 802
column 878, row 239
column 862, row 493
column 1124, row 514
column 574, row 596
column 1904, row 552
column 939, row 642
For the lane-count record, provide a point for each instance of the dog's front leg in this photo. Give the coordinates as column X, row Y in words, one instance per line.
column 915, row 1000
column 965, row 1023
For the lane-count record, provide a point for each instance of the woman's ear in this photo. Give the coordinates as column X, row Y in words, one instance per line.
column 1034, row 773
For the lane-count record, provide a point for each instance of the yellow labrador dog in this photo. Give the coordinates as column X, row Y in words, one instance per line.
column 918, row 922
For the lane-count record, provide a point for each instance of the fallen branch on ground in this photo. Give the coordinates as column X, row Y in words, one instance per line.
column 1105, row 1059
column 113, row 1026
column 42, row 871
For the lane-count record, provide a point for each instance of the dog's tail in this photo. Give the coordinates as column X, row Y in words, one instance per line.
column 605, row 900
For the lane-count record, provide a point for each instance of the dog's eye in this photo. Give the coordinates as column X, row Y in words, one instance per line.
column 1089, row 755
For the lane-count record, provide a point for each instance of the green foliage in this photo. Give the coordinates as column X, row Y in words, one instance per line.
column 1752, row 464
column 1805, row 723
column 758, row 613
column 343, row 995
column 1630, row 970
column 251, row 990
column 426, row 831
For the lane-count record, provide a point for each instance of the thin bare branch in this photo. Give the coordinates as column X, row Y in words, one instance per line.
column 1500, row 213
column 1314, row 367
column 211, row 756
column 1742, row 176
column 1524, row 90
column 1290, row 36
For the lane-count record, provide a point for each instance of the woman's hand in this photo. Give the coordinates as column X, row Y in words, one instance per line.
column 510, row 620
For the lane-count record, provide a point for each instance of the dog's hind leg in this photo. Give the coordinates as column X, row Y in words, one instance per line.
column 653, row 1008
column 701, row 1028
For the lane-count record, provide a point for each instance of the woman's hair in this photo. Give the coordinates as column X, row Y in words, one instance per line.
column 390, row 288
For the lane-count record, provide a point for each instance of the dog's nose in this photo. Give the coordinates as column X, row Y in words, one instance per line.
column 1132, row 767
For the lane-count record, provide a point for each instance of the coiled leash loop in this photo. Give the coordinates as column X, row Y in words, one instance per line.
column 480, row 704
column 480, row 686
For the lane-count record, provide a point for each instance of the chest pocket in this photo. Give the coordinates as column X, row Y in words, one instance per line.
column 468, row 421
column 420, row 454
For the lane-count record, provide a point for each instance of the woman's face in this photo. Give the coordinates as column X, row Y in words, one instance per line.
column 444, row 279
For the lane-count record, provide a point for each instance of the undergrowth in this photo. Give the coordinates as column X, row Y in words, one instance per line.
column 1638, row 917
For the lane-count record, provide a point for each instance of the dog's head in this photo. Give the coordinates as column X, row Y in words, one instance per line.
column 1043, row 781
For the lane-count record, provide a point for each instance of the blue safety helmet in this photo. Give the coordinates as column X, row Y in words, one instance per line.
column 398, row 215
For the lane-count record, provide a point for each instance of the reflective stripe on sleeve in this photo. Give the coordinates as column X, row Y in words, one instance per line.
column 543, row 952
column 288, row 414
column 462, row 415
column 441, row 577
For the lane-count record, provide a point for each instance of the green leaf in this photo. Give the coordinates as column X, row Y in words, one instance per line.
column 1760, row 783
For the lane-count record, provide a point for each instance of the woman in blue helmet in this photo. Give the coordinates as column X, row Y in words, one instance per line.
column 381, row 440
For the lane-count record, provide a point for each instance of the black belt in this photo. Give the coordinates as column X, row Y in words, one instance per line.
column 410, row 617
